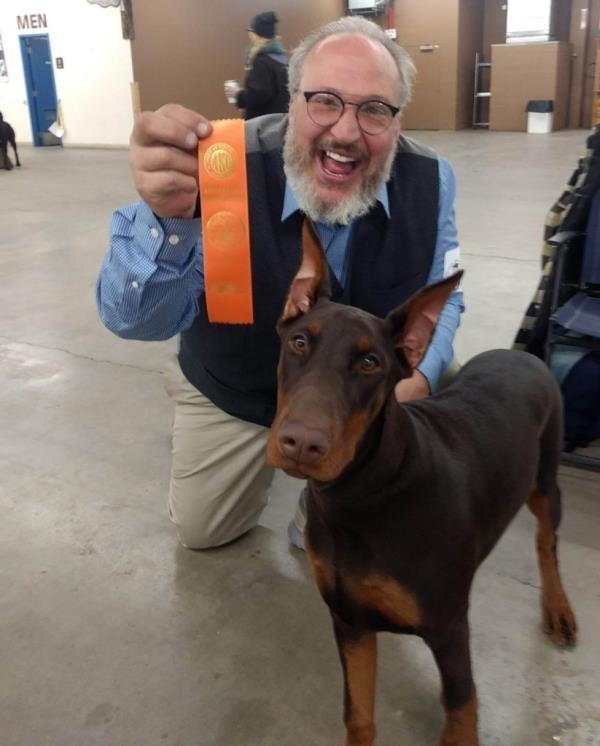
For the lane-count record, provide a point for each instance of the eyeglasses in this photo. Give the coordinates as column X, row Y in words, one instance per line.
column 325, row 109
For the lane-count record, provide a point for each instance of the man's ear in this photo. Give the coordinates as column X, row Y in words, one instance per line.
column 312, row 279
column 412, row 324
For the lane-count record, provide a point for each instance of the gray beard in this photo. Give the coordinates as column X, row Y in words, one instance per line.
column 297, row 165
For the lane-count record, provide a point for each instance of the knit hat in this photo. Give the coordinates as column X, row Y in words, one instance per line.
column 264, row 24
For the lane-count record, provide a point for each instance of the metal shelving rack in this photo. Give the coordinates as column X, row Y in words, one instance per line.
column 479, row 96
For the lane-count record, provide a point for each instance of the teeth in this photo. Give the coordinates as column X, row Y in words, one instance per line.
column 338, row 157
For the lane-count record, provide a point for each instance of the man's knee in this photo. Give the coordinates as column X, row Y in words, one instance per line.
column 203, row 537
column 198, row 534
column 213, row 525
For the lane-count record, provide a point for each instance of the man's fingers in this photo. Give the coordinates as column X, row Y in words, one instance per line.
column 154, row 129
column 164, row 158
column 154, row 186
column 171, row 125
column 196, row 122
column 169, row 194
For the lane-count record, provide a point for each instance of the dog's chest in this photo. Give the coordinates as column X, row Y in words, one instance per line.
column 371, row 598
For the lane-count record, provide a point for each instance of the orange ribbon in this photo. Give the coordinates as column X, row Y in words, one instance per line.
column 225, row 228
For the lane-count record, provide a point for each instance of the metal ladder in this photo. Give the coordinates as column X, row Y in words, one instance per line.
column 477, row 94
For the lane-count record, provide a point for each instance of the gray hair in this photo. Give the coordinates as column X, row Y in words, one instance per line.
column 354, row 25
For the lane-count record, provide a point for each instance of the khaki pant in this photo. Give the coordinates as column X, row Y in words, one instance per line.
column 219, row 478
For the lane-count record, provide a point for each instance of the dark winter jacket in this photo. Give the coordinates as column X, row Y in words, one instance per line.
column 265, row 86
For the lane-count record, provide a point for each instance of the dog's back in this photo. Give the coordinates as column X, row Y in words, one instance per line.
column 491, row 436
column 498, row 408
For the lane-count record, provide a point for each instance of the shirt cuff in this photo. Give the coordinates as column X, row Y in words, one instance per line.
column 432, row 367
column 165, row 240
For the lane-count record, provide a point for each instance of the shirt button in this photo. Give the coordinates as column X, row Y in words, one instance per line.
column 154, row 232
column 173, row 240
column 135, row 284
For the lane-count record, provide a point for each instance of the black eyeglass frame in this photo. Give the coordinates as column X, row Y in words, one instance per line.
column 393, row 109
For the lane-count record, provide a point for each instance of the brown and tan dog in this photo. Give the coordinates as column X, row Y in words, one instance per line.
column 406, row 500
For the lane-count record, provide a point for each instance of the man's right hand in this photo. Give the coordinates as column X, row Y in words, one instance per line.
column 164, row 159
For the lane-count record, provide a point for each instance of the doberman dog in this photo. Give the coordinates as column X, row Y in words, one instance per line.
column 7, row 135
column 404, row 501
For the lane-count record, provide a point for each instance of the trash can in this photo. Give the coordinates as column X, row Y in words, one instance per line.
column 539, row 116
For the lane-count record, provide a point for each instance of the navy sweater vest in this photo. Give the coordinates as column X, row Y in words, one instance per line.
column 235, row 365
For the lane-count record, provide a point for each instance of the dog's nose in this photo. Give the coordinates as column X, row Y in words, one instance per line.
column 302, row 443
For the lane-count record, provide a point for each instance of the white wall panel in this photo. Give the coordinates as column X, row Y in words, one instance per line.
column 93, row 86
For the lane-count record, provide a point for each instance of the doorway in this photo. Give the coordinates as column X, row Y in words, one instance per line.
column 423, row 112
column 41, row 89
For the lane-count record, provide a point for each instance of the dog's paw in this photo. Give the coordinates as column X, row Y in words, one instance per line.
column 461, row 725
column 559, row 623
column 360, row 735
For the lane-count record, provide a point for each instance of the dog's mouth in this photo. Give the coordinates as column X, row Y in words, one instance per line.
column 292, row 467
column 300, row 471
column 310, row 442
column 326, row 469
column 296, row 471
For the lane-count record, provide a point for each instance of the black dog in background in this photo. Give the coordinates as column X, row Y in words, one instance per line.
column 7, row 135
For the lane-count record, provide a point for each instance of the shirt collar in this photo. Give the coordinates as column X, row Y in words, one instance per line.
column 290, row 203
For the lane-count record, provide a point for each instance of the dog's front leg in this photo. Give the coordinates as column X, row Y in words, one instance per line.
column 453, row 658
column 358, row 654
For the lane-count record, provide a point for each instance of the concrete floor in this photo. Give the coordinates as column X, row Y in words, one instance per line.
column 112, row 634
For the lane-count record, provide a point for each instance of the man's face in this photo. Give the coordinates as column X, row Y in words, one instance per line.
column 338, row 170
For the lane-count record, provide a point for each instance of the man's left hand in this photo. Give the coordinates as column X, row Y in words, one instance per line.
column 415, row 387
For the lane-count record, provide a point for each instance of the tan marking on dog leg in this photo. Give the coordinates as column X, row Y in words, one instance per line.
column 360, row 658
column 558, row 618
column 323, row 573
column 461, row 725
column 388, row 597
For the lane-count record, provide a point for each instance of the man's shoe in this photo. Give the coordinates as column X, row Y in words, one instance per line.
column 296, row 526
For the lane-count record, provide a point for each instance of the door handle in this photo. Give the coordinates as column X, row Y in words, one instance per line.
column 428, row 47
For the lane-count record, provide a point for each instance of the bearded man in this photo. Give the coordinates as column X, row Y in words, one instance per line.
column 382, row 205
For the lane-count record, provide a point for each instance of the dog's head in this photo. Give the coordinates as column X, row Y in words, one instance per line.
column 338, row 365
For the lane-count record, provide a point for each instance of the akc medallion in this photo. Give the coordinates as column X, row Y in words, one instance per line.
column 219, row 160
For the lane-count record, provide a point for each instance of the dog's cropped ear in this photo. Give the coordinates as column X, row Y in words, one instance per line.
column 312, row 279
column 412, row 324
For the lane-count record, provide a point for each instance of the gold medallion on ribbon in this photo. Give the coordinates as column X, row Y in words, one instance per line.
column 220, row 160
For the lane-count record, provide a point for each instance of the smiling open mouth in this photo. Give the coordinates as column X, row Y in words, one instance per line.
column 336, row 164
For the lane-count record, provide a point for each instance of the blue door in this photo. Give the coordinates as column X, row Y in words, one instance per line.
column 41, row 91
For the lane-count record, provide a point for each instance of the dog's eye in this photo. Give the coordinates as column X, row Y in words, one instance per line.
column 299, row 343
column 369, row 363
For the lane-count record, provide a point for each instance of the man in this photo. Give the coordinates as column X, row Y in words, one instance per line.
column 382, row 206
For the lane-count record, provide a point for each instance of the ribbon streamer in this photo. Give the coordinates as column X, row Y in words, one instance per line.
column 225, row 225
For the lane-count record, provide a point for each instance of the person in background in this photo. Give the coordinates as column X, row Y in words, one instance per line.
column 383, row 207
column 265, row 86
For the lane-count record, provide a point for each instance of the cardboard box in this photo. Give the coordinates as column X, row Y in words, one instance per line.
column 523, row 72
